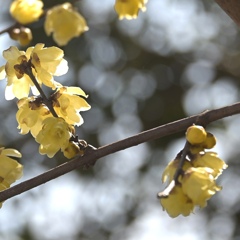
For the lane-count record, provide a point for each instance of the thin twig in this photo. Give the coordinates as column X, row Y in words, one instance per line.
column 179, row 172
column 8, row 29
column 92, row 156
column 47, row 102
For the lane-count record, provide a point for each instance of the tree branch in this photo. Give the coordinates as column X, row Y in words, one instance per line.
column 232, row 8
column 91, row 156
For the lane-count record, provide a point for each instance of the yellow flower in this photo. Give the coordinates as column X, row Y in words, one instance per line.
column 45, row 63
column 199, row 185
column 177, row 203
column 171, row 168
column 55, row 135
column 210, row 160
column 67, row 103
column 31, row 115
column 129, row 8
column 26, row 11
column 10, row 169
column 65, row 23
column 71, row 150
column 18, row 83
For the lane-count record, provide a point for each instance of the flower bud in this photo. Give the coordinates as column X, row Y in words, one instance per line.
column 210, row 141
column 196, row 135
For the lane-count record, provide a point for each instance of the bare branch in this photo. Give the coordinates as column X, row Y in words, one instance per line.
column 92, row 156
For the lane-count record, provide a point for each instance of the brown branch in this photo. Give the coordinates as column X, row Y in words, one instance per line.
column 92, row 156
column 232, row 8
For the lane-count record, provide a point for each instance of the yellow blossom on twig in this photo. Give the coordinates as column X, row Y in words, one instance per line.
column 18, row 84
column 47, row 62
column 67, row 103
column 10, row 169
column 31, row 115
column 26, row 11
column 65, row 23
column 199, row 185
column 55, row 135
column 177, row 203
column 191, row 176
column 171, row 168
column 210, row 160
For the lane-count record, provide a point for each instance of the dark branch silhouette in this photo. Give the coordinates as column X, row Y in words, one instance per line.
column 92, row 155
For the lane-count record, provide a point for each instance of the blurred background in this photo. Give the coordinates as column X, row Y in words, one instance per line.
column 177, row 59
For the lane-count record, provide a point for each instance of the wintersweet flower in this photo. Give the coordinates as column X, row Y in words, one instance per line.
column 44, row 64
column 192, row 182
column 171, row 168
column 210, row 160
column 68, row 101
column 177, row 203
column 47, row 62
column 129, row 8
column 55, row 135
column 10, row 169
column 199, row 185
column 65, row 23
column 26, row 11
column 18, row 83
column 30, row 115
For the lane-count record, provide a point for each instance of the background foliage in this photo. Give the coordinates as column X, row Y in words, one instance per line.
column 177, row 59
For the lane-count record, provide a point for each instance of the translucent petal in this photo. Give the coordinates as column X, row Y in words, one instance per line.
column 12, row 53
column 76, row 91
column 62, row 68
column 9, row 93
column 11, row 152
column 2, row 72
column 177, row 203
column 25, row 11
column 21, row 88
column 10, row 169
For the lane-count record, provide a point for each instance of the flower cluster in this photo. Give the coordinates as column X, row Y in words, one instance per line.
column 50, row 121
column 62, row 20
column 192, row 178
column 129, row 8
column 10, row 169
